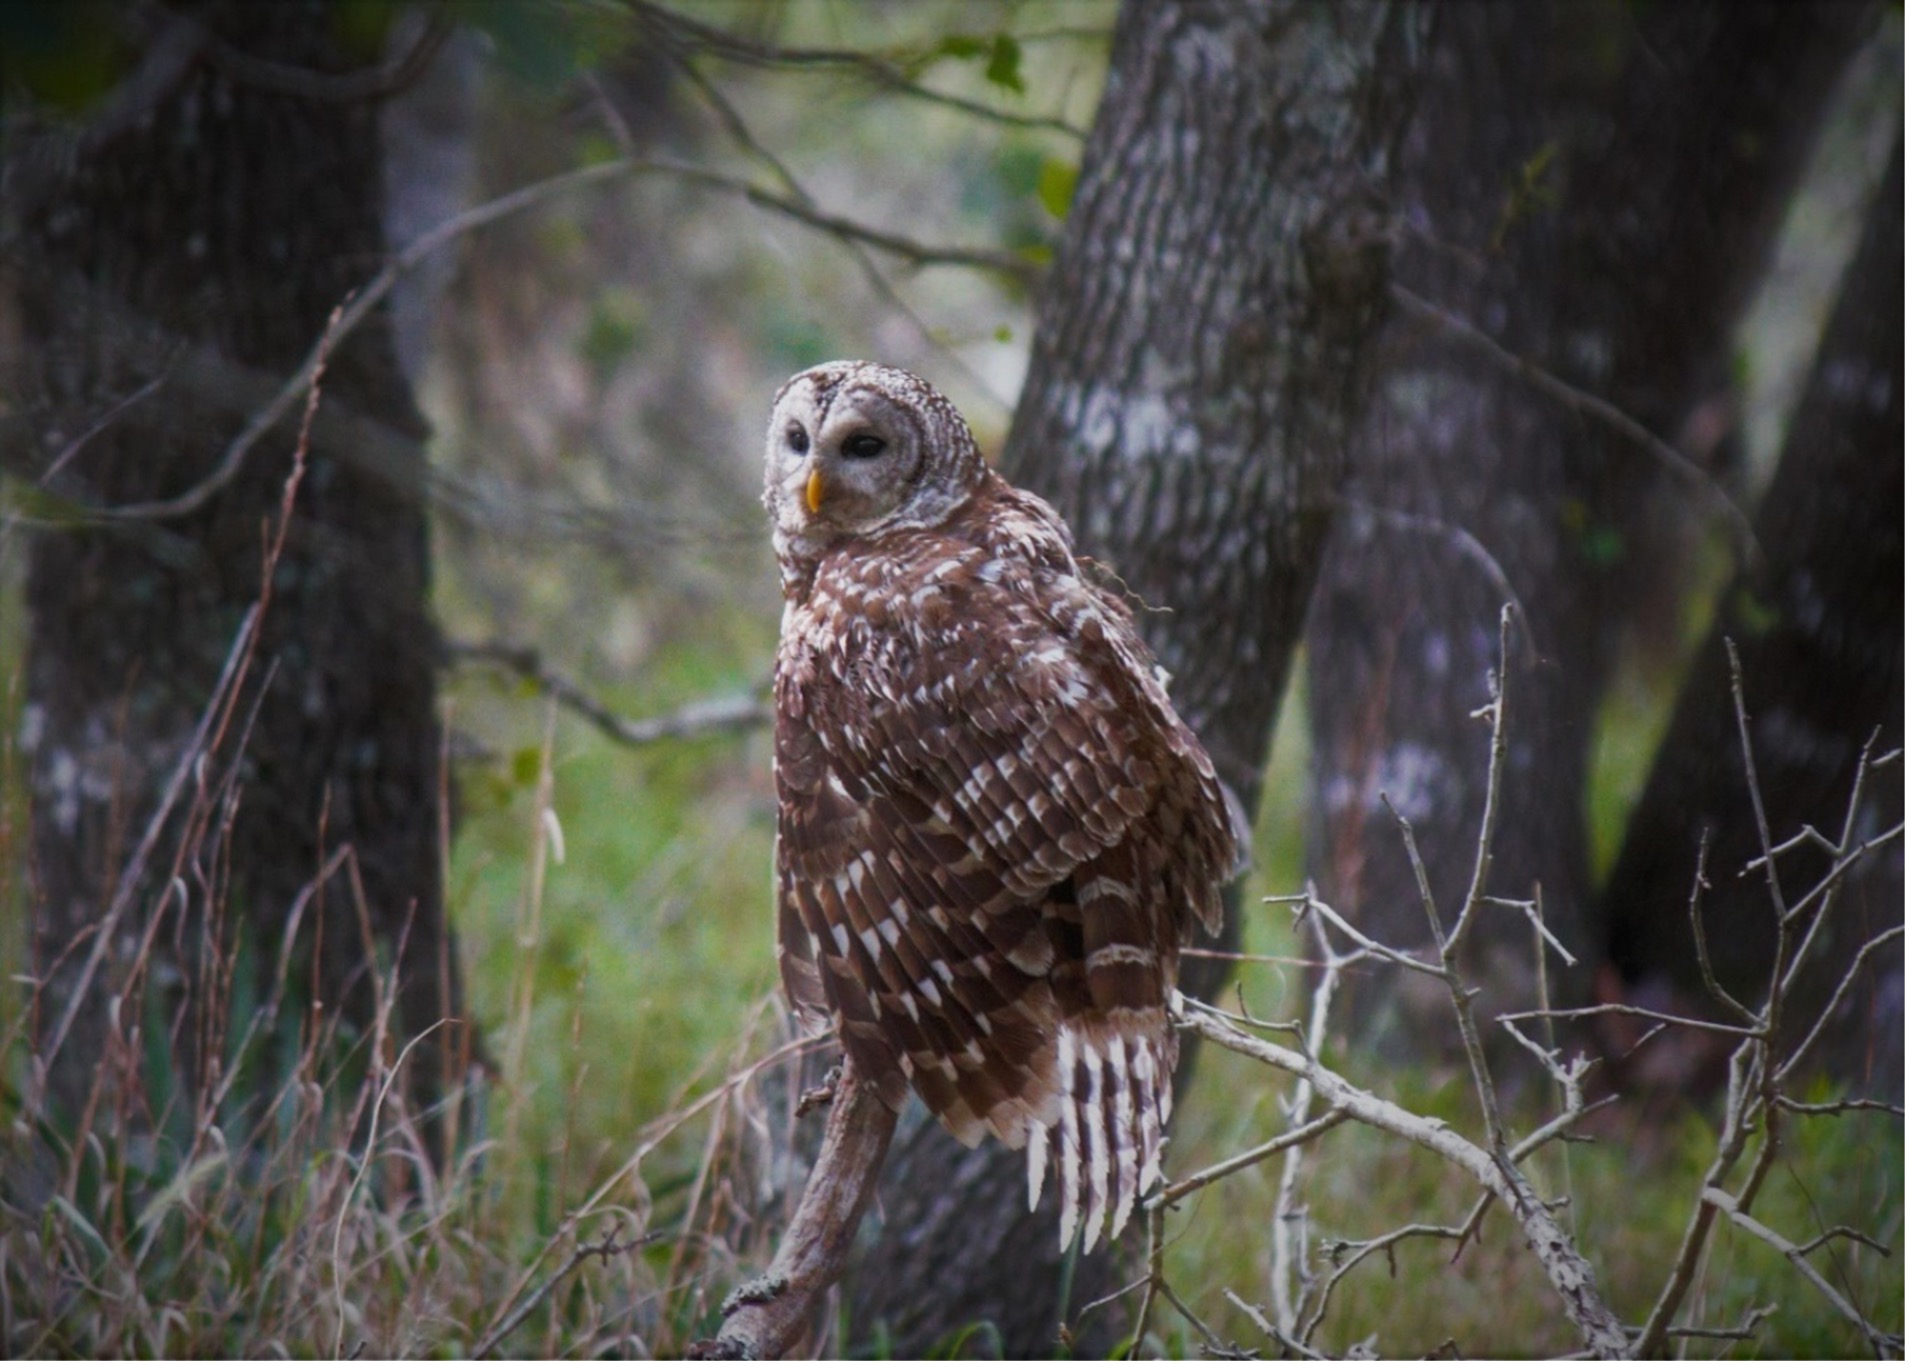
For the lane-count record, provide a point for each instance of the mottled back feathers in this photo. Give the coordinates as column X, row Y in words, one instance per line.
column 994, row 833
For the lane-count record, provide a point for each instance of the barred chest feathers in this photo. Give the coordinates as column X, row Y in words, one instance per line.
column 993, row 833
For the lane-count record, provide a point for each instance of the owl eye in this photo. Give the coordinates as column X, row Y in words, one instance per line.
column 863, row 446
column 798, row 440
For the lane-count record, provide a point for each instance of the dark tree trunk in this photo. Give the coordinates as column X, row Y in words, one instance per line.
column 1818, row 627
column 1595, row 187
column 1196, row 368
column 199, row 247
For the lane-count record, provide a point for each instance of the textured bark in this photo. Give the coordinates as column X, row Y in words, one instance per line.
column 1196, row 367
column 1595, row 188
column 767, row 1318
column 219, row 226
column 1818, row 627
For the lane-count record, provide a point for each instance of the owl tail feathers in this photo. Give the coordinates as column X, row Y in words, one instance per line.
column 1116, row 1079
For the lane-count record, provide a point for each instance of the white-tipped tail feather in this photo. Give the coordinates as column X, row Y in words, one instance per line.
column 1115, row 1097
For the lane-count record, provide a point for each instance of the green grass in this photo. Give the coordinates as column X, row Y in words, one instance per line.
column 620, row 987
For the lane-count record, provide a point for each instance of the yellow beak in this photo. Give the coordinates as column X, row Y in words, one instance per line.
column 813, row 493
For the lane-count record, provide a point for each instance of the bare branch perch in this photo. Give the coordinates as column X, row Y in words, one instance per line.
column 765, row 1318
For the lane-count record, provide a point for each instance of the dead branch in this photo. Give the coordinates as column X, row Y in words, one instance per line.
column 1754, row 1103
column 1887, row 1345
column 766, row 1317
column 1570, row 1274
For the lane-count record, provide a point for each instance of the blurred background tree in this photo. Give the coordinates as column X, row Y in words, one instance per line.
column 1524, row 226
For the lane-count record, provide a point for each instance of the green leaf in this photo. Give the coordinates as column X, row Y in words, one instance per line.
column 1004, row 64
column 1056, row 185
column 962, row 46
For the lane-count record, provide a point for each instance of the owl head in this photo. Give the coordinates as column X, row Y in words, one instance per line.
column 857, row 448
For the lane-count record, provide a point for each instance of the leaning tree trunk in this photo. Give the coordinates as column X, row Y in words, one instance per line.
column 1594, row 189
column 178, row 259
column 1818, row 623
column 1196, row 367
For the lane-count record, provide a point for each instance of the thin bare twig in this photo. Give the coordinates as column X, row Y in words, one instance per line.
column 1273, row 1334
column 1591, row 405
column 360, row 305
column 1570, row 1274
column 1365, row 942
column 732, row 47
column 697, row 718
column 1294, row 1137
column 1156, row 1276
column 604, row 1248
column 1634, row 1012
column 1347, row 1256
column 1887, row 1345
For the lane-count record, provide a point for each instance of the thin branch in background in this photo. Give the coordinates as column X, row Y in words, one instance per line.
column 360, row 304
column 1578, row 400
column 1286, row 1344
column 1470, row 547
column 1156, row 1276
column 1570, row 1274
column 1449, row 944
column 739, row 131
column 1367, row 945
column 1289, row 1277
column 214, row 721
column 339, row 87
column 713, row 715
column 1345, row 1256
column 1633, row 1012
column 886, row 74
column 1700, row 883
column 1295, row 1137
column 1755, row 788
column 1887, row 1345
column 603, row 1248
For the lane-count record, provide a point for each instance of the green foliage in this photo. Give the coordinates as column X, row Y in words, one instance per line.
column 64, row 56
column 999, row 53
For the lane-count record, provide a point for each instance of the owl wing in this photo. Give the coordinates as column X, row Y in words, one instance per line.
column 969, row 748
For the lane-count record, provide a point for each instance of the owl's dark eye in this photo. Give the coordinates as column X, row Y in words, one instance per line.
column 798, row 440
column 863, row 446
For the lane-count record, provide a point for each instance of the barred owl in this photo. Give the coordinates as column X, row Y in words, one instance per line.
column 994, row 834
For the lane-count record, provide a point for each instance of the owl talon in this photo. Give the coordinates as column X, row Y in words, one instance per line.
column 819, row 1096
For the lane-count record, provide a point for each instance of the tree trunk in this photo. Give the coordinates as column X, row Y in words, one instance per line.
column 1818, row 626
column 1196, row 368
column 175, row 265
column 1594, row 188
